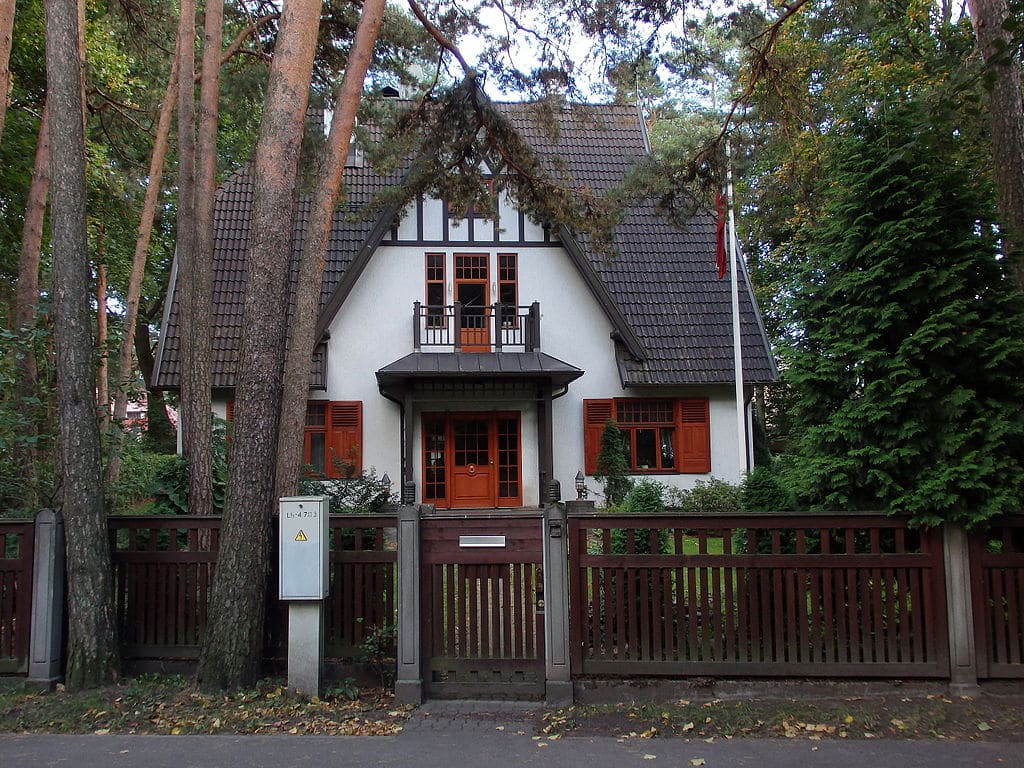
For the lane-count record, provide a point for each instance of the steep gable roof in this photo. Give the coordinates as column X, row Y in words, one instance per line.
column 659, row 289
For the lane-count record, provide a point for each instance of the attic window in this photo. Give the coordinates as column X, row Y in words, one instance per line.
column 355, row 157
column 471, row 211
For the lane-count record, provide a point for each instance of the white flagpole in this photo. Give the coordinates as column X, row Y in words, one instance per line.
column 737, row 346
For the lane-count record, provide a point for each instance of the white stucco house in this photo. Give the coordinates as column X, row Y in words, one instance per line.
column 477, row 359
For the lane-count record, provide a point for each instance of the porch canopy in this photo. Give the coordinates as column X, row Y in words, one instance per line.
column 397, row 378
column 425, row 376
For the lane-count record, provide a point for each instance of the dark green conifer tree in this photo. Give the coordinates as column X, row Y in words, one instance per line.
column 908, row 364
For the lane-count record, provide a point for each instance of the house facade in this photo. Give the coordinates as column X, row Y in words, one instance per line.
column 477, row 358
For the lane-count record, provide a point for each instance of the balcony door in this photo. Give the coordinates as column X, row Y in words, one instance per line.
column 472, row 284
column 472, row 460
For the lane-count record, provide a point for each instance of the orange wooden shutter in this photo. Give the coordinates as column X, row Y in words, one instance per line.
column 694, row 436
column 595, row 414
column 344, row 438
column 230, row 411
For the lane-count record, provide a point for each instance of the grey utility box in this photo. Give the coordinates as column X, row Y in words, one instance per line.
column 304, row 552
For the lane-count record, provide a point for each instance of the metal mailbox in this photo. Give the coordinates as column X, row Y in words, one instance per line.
column 304, row 536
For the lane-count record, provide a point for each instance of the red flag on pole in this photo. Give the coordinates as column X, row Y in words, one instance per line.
column 720, row 259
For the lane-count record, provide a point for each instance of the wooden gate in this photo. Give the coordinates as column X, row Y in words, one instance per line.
column 483, row 607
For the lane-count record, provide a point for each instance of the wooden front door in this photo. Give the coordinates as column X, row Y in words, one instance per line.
column 472, row 460
column 472, row 284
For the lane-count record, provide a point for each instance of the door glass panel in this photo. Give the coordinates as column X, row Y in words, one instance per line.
column 508, row 458
column 434, row 481
column 473, row 298
column 471, row 442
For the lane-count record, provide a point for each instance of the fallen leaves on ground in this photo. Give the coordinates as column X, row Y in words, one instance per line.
column 173, row 706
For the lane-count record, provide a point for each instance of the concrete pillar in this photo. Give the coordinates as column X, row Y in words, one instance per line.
column 963, row 659
column 305, row 646
column 558, row 688
column 409, row 679
column 47, row 623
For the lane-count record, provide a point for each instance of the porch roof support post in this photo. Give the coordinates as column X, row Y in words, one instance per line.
column 409, row 679
column 497, row 326
column 558, row 690
column 546, row 448
column 457, row 330
column 416, row 313
column 963, row 656
column 534, row 327
column 408, row 458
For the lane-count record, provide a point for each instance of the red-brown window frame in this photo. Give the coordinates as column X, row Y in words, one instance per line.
column 342, row 429
column 691, row 424
column 435, row 317
column 510, row 316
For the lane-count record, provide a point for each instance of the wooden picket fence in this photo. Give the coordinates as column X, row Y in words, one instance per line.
column 16, row 553
column 163, row 573
column 997, row 579
column 821, row 595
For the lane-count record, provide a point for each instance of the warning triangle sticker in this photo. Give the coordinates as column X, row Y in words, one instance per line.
column 301, row 536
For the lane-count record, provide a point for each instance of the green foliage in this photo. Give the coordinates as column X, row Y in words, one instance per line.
column 359, row 495
column 613, row 464
column 644, row 498
column 170, row 482
column 707, row 497
column 765, row 489
column 139, row 475
column 378, row 649
column 23, row 419
column 908, row 373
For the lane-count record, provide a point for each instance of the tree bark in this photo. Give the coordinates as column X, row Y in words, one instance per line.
column 311, row 266
column 6, row 37
column 102, row 368
column 195, row 411
column 138, row 272
column 200, row 276
column 233, row 647
column 1006, row 116
column 27, row 299
column 92, row 631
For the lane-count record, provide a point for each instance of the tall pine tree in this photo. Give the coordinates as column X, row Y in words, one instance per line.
column 909, row 365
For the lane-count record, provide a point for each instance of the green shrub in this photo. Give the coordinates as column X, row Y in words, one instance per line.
column 613, row 465
column 359, row 495
column 707, row 497
column 139, row 472
column 763, row 490
column 645, row 498
column 170, row 482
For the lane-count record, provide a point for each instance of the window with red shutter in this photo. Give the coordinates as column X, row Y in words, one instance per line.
column 663, row 435
column 595, row 414
column 345, row 439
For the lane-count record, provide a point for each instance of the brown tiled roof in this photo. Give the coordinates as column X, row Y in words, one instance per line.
column 660, row 287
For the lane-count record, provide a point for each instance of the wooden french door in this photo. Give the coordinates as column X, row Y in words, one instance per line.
column 472, row 460
column 472, row 286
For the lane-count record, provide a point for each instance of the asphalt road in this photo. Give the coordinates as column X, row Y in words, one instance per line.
column 463, row 741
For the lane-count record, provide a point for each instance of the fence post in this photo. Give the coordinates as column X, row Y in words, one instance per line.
column 963, row 658
column 47, row 624
column 409, row 678
column 558, row 678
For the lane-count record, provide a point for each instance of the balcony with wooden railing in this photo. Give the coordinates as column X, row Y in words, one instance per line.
column 462, row 327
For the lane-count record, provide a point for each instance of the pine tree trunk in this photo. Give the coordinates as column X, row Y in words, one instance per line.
column 311, row 267
column 138, row 272
column 6, row 36
column 200, row 276
column 232, row 650
column 1006, row 115
column 92, row 638
column 27, row 300
column 195, row 411
column 102, row 368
